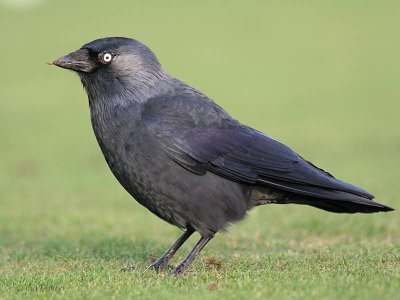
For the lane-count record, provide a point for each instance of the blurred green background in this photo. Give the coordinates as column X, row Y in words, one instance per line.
column 320, row 76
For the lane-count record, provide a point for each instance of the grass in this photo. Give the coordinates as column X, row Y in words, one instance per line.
column 321, row 77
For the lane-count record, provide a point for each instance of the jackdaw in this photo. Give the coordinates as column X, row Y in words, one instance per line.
column 183, row 157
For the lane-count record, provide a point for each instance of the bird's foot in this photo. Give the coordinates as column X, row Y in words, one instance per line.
column 159, row 265
column 154, row 267
column 179, row 270
column 129, row 269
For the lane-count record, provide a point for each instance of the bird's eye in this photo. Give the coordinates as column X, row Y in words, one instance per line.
column 106, row 57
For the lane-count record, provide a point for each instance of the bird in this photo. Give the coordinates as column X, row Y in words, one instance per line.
column 183, row 157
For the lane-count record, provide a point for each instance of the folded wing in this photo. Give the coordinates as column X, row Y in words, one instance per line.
column 199, row 136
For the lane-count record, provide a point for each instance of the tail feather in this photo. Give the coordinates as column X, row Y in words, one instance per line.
column 334, row 200
column 351, row 207
column 345, row 203
column 326, row 199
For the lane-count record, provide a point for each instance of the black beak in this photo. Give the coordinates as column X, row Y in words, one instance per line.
column 79, row 61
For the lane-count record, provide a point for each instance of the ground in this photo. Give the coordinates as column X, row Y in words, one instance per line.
column 321, row 77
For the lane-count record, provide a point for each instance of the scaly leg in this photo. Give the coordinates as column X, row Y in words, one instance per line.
column 192, row 255
column 162, row 262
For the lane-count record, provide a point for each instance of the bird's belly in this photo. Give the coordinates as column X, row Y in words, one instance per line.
column 207, row 203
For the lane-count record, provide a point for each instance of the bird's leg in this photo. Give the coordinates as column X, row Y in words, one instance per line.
column 162, row 262
column 192, row 255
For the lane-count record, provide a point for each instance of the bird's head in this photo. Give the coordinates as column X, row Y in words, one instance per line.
column 108, row 63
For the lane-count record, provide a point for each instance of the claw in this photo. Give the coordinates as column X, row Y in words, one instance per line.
column 128, row 269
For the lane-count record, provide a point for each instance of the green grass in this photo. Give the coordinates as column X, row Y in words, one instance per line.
column 320, row 76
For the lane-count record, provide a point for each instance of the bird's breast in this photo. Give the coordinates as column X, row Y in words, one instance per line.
column 129, row 149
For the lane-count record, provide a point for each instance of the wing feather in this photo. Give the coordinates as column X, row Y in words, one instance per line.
column 199, row 136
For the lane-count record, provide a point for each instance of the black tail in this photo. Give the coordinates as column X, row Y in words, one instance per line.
column 338, row 196
column 346, row 203
column 349, row 207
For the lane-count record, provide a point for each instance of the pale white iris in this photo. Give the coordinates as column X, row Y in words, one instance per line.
column 107, row 57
